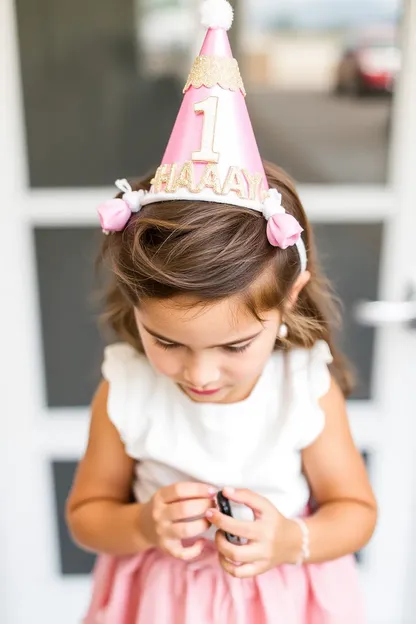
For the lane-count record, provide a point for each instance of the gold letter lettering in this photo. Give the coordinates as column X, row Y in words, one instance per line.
column 235, row 182
column 210, row 179
column 209, row 109
column 164, row 175
column 254, row 182
column 186, row 177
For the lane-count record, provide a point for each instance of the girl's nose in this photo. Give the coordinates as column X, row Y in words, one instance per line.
column 201, row 371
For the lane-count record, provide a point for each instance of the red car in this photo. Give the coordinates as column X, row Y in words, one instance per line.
column 369, row 66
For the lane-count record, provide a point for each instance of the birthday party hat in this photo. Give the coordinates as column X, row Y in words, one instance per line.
column 212, row 154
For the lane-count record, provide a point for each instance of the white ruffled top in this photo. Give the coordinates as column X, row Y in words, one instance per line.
column 253, row 444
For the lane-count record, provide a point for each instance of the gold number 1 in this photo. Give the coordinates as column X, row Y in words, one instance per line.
column 208, row 108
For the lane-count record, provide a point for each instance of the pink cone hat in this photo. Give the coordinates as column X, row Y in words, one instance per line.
column 212, row 153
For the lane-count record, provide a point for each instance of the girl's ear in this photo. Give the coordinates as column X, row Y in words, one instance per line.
column 297, row 287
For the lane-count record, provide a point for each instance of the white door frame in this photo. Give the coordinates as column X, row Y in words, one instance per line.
column 403, row 347
column 35, row 434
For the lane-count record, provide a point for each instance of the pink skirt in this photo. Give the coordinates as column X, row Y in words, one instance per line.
column 153, row 588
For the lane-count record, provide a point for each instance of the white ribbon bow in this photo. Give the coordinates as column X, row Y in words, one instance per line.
column 132, row 198
column 273, row 204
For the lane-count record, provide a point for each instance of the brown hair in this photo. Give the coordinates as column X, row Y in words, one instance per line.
column 211, row 251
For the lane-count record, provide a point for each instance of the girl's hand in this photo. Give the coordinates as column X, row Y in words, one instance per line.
column 272, row 538
column 175, row 513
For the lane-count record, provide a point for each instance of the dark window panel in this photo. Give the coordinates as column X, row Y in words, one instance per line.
column 73, row 560
column 72, row 346
column 93, row 113
column 350, row 255
column 360, row 556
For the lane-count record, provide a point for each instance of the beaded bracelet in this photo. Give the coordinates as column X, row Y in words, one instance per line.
column 306, row 551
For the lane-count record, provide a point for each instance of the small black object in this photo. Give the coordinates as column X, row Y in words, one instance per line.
column 224, row 506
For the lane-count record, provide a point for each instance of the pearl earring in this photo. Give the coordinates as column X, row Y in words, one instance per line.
column 283, row 331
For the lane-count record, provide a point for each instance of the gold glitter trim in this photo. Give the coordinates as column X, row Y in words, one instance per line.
column 209, row 71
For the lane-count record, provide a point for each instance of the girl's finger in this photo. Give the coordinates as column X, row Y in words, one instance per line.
column 184, row 510
column 245, row 553
column 256, row 502
column 183, row 491
column 241, row 528
column 187, row 530
column 177, row 550
column 246, row 570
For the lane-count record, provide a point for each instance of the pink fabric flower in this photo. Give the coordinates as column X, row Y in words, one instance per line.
column 283, row 230
column 114, row 215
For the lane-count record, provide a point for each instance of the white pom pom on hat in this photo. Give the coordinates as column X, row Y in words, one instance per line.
column 217, row 14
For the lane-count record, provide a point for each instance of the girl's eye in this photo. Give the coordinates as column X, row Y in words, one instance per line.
column 166, row 345
column 171, row 345
column 238, row 349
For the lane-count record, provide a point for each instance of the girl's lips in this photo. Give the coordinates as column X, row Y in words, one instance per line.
column 203, row 392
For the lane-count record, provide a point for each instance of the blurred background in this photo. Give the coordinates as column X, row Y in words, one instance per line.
column 89, row 93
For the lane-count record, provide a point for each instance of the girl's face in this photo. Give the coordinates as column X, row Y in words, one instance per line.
column 214, row 353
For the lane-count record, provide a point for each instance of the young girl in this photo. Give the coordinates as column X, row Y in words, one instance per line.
column 226, row 378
